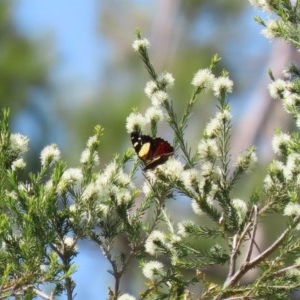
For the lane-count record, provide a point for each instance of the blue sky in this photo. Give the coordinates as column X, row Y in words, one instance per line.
column 72, row 26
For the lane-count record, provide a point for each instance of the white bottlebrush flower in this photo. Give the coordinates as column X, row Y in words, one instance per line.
column 151, row 88
column 271, row 29
column 208, row 149
column 151, row 176
column 140, row 43
column 69, row 241
column 207, row 168
column 293, row 161
column 166, row 79
column 153, row 270
column 189, row 178
column 44, row 268
column 182, row 227
column 203, row 78
column 90, row 191
column 146, row 188
column 49, row 155
column 292, row 209
column 222, row 84
column 135, row 121
column 126, row 297
column 12, row 195
column 175, row 238
column 287, row 73
column 154, row 113
column 25, row 187
column 109, row 173
column 172, row 169
column 158, row 98
column 123, row 179
column 262, row 4
column 241, row 208
column 290, row 100
column 86, row 155
column 268, row 182
column 73, row 208
column 122, row 195
column 196, row 208
column 280, row 141
column 224, row 115
column 247, row 160
column 277, row 88
column 19, row 143
column 276, row 168
column 212, row 128
column 292, row 166
column 102, row 180
column 92, row 141
column 70, row 176
column 104, row 209
column 210, row 199
column 111, row 170
column 156, row 237
column 49, row 186
column 18, row 164
column 73, row 175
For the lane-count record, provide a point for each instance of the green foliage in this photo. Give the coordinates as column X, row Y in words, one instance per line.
column 43, row 218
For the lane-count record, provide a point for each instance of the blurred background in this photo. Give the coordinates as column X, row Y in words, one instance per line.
column 66, row 66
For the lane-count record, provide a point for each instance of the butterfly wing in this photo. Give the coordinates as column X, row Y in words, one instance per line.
column 161, row 151
column 152, row 151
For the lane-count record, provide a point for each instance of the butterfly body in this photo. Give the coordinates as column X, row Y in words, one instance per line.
column 152, row 151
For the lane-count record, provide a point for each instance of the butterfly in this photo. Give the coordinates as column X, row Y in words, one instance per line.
column 152, row 151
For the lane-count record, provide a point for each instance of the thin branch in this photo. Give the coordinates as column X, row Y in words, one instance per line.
column 248, row 265
column 22, row 289
column 236, row 244
column 243, row 235
column 253, row 234
column 42, row 295
column 251, row 264
column 287, row 269
column 115, row 272
column 168, row 221
column 234, row 251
